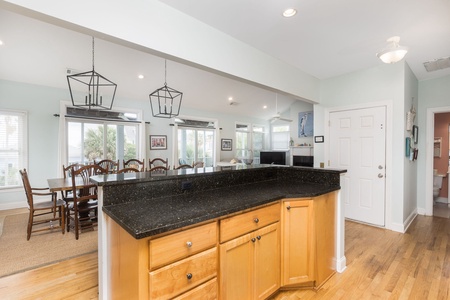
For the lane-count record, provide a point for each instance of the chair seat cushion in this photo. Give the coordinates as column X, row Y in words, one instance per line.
column 48, row 204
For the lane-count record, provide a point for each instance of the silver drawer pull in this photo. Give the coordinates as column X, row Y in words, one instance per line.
column 189, row 276
column 189, row 244
column 256, row 220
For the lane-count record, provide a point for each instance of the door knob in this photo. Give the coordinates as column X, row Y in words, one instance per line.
column 380, row 167
column 380, row 175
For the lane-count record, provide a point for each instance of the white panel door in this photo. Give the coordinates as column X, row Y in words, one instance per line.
column 357, row 143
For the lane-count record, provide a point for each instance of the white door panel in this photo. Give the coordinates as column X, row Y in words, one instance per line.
column 357, row 143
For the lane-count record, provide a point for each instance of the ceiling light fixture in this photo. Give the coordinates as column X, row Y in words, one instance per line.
column 98, row 86
column 290, row 12
column 140, row 76
column 393, row 52
column 165, row 102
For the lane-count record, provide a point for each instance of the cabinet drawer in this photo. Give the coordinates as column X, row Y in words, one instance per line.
column 179, row 245
column 206, row 291
column 179, row 277
column 241, row 224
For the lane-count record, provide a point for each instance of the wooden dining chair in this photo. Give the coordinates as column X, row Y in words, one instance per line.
column 184, row 166
column 52, row 209
column 67, row 173
column 82, row 212
column 158, row 170
column 110, row 165
column 158, row 162
column 198, row 164
column 128, row 170
column 135, row 163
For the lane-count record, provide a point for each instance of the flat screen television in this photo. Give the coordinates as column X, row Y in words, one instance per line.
column 273, row 157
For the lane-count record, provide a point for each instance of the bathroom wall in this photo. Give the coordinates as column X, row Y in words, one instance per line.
column 441, row 123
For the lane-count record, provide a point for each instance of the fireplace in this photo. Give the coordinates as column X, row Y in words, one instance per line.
column 303, row 161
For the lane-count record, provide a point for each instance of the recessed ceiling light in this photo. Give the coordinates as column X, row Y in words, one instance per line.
column 140, row 76
column 290, row 12
column 265, row 106
column 1, row 42
column 230, row 98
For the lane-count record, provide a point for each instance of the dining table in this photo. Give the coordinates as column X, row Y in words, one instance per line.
column 64, row 184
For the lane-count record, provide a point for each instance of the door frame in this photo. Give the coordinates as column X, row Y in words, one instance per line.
column 388, row 148
column 429, row 156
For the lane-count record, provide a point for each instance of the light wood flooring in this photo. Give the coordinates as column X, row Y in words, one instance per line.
column 381, row 264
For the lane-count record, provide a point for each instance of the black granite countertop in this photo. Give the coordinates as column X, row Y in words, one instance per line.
column 145, row 218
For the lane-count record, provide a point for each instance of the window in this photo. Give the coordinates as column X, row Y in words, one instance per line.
column 249, row 139
column 196, row 144
column 242, row 140
column 89, row 141
column 258, row 134
column 13, row 147
column 280, row 137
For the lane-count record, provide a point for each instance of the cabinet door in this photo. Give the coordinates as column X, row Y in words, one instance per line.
column 297, row 253
column 267, row 261
column 236, row 265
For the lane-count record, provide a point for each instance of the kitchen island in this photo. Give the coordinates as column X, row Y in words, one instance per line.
column 143, row 210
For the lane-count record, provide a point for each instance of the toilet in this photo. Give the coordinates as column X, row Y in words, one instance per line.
column 437, row 184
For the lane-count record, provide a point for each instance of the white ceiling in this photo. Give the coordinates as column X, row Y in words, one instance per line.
column 325, row 39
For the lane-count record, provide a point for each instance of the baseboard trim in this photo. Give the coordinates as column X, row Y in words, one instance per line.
column 341, row 264
column 403, row 227
column 12, row 205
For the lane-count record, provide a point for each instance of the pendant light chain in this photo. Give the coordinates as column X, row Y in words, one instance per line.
column 92, row 53
column 165, row 72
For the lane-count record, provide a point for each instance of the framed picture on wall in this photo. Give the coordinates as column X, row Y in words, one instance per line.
column 158, row 142
column 305, row 124
column 226, row 144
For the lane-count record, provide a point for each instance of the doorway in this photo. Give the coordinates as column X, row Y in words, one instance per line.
column 429, row 162
column 358, row 142
column 441, row 164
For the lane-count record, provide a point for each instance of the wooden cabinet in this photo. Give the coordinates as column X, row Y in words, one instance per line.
column 176, row 246
column 246, row 256
column 308, row 240
column 250, row 263
column 182, row 264
column 246, row 222
column 325, row 239
column 297, row 248
column 183, row 275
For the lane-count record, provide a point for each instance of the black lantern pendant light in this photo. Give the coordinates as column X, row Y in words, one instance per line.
column 165, row 102
column 101, row 91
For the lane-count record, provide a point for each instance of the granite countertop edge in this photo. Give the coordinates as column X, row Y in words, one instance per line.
column 148, row 217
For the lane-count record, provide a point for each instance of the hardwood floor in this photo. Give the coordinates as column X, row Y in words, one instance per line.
column 381, row 264
column 70, row 279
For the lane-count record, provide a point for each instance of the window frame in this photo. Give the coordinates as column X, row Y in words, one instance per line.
column 22, row 145
column 250, row 130
column 104, row 124
column 273, row 133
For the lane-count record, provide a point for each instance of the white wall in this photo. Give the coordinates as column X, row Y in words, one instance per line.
column 152, row 26
column 410, row 167
column 42, row 102
column 382, row 84
column 433, row 93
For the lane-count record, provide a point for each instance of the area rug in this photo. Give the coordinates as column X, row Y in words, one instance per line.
column 18, row 255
